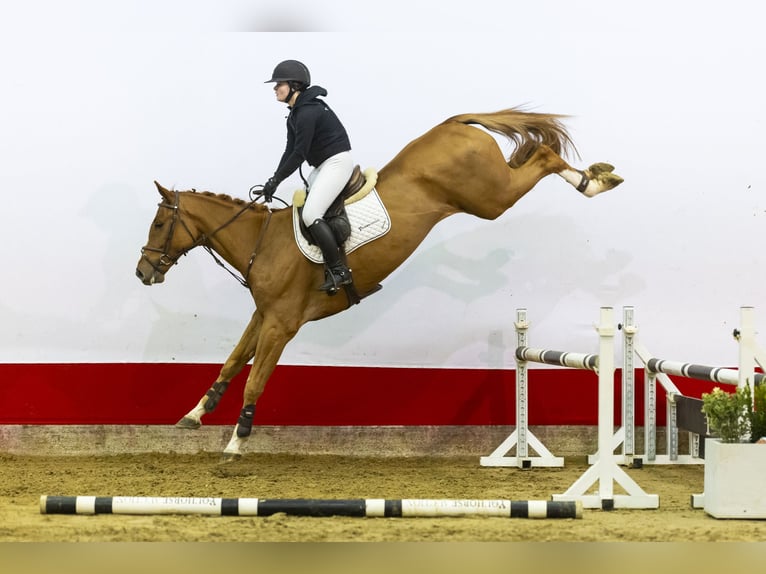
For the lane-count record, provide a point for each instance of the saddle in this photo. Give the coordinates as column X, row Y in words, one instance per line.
column 359, row 185
column 335, row 216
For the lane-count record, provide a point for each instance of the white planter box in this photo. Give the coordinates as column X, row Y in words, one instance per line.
column 735, row 479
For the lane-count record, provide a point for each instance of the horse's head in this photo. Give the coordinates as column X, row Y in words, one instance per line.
column 169, row 238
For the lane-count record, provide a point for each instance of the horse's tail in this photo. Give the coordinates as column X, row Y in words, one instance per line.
column 527, row 130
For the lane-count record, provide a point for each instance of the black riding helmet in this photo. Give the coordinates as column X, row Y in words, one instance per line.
column 295, row 73
column 291, row 71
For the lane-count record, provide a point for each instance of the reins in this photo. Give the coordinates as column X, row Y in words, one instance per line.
column 261, row 235
column 167, row 260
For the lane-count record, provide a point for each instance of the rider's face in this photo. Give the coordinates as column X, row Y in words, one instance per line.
column 281, row 90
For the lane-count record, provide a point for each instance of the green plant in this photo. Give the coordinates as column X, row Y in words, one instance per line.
column 729, row 414
column 758, row 413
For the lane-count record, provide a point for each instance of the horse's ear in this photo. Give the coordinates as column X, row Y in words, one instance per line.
column 165, row 193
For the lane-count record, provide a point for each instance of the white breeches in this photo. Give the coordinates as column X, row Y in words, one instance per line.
column 326, row 181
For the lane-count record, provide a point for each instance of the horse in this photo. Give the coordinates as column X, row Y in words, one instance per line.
column 455, row 167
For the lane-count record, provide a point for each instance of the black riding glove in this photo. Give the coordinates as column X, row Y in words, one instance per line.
column 269, row 188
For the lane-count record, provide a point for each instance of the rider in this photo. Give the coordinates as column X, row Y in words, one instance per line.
column 315, row 135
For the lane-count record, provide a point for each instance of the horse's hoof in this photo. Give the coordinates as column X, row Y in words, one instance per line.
column 188, row 423
column 610, row 180
column 228, row 457
column 600, row 167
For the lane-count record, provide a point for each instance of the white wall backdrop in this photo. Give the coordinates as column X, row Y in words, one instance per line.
column 101, row 98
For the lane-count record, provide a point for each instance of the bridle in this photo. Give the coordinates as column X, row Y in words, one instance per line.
column 167, row 260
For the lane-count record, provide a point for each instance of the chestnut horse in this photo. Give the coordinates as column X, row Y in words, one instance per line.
column 453, row 168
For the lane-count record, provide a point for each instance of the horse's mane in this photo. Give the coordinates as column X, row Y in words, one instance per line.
column 228, row 199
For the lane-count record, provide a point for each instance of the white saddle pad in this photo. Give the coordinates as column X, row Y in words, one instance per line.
column 368, row 218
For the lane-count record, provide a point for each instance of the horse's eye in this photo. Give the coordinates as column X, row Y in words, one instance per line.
column 158, row 224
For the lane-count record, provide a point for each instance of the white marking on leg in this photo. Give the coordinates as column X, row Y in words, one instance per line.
column 571, row 176
column 574, row 178
column 235, row 443
column 196, row 413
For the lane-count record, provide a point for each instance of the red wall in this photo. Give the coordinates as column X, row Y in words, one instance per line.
column 151, row 393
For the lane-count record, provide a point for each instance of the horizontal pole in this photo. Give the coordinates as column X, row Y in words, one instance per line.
column 700, row 372
column 561, row 358
column 371, row 507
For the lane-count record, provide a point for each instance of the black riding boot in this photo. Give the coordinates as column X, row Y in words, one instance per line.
column 337, row 272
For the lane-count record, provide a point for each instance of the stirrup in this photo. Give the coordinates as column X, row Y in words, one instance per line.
column 333, row 282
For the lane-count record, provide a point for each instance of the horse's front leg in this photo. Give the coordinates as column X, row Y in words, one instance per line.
column 240, row 356
column 271, row 342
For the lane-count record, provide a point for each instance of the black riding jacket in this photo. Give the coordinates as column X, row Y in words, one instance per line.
column 314, row 133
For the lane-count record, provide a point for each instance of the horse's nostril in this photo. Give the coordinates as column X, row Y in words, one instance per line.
column 139, row 274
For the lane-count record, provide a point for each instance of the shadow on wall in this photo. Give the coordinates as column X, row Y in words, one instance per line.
column 534, row 259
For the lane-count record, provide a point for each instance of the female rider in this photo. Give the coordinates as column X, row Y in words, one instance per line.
column 315, row 135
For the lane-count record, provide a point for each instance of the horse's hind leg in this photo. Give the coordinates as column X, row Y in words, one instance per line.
column 242, row 353
column 596, row 179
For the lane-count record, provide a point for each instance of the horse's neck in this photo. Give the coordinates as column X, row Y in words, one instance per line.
column 228, row 227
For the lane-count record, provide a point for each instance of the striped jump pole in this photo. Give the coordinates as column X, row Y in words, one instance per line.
column 699, row 372
column 361, row 507
column 560, row 358
column 685, row 412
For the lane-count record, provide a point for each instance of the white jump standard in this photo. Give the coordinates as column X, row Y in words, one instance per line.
column 370, row 507
column 624, row 437
column 605, row 470
column 522, row 438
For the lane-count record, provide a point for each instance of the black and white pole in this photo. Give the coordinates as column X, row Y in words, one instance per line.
column 700, row 372
column 561, row 358
column 370, row 507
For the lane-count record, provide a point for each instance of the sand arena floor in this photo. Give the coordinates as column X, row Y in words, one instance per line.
column 23, row 479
